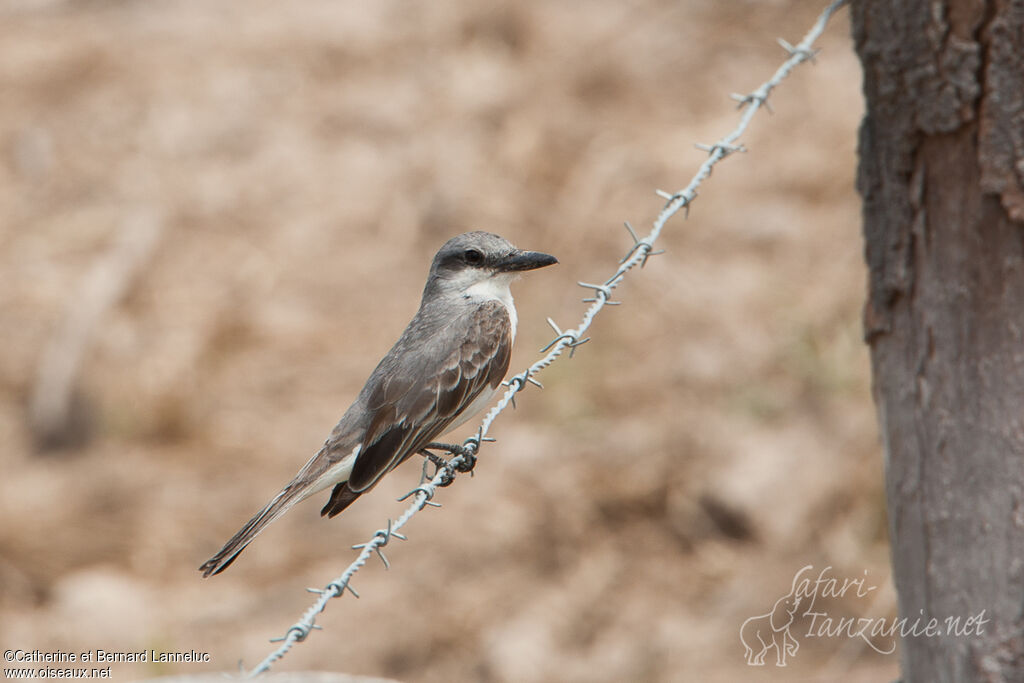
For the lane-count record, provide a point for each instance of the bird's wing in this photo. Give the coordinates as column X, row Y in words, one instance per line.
column 415, row 404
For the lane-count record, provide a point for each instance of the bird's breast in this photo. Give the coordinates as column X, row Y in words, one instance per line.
column 496, row 289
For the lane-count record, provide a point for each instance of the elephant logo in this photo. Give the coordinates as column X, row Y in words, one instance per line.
column 766, row 631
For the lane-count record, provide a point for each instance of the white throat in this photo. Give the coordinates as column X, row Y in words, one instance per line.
column 496, row 288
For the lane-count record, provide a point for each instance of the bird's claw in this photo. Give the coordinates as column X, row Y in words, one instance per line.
column 468, row 461
column 466, row 464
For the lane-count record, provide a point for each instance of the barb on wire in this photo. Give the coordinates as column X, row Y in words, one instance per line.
column 570, row 339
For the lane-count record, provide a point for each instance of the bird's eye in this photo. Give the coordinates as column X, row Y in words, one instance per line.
column 473, row 257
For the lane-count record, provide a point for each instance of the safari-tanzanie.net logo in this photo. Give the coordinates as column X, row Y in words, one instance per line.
column 774, row 633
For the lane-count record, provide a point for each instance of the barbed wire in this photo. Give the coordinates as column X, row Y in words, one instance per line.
column 639, row 252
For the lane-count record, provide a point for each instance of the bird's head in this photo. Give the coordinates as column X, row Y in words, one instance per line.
column 476, row 259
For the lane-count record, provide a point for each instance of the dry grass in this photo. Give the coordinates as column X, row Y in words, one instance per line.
column 307, row 159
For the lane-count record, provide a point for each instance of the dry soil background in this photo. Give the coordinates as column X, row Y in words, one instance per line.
column 300, row 163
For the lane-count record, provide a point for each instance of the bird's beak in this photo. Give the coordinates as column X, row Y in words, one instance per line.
column 526, row 260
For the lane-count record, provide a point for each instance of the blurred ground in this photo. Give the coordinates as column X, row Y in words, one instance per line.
column 304, row 161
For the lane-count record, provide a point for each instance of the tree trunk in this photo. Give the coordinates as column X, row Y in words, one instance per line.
column 942, row 179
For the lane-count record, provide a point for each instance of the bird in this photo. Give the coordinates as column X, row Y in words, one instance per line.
column 445, row 367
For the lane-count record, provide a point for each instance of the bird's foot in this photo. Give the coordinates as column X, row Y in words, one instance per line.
column 440, row 465
column 466, row 464
column 468, row 455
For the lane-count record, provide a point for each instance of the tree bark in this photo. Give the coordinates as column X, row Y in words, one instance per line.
column 942, row 179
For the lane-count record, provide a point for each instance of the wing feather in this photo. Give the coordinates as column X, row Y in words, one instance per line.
column 418, row 403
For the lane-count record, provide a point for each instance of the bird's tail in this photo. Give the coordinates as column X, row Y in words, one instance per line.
column 280, row 504
column 320, row 472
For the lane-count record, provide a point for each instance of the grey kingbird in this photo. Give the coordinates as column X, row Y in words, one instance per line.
column 445, row 368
